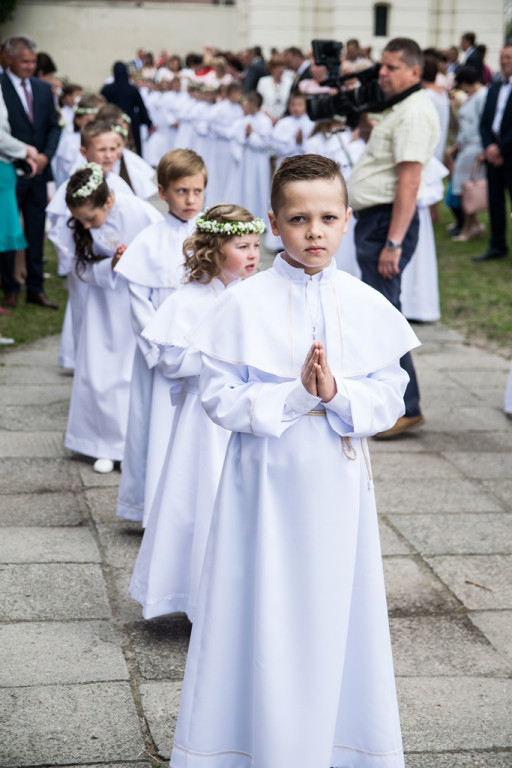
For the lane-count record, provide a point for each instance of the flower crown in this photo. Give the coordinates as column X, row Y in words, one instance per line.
column 86, row 110
column 120, row 130
column 95, row 180
column 230, row 228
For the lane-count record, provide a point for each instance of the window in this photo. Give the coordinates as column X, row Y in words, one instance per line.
column 380, row 19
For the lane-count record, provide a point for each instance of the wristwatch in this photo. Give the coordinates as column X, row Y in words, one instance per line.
column 393, row 245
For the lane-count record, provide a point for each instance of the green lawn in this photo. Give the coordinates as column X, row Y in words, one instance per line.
column 476, row 298
column 28, row 321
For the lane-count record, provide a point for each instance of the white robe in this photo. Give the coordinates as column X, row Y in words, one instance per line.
column 220, row 163
column 340, row 148
column 508, row 394
column 252, row 155
column 163, row 112
column 153, row 267
column 170, row 561
column 290, row 659
column 61, row 237
column 141, row 173
column 419, row 295
column 283, row 144
column 98, row 412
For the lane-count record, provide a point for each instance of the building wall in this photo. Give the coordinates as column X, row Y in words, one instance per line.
column 86, row 36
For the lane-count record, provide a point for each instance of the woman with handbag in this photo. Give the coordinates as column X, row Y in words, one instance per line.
column 466, row 150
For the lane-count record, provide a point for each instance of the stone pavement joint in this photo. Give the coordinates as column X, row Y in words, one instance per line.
column 85, row 681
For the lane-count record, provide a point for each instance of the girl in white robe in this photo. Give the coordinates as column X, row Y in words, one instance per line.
column 290, row 661
column 169, row 565
column 104, row 224
column 152, row 265
column 99, row 144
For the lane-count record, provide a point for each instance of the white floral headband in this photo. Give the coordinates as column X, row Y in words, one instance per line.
column 230, row 228
column 120, row 130
column 95, row 180
column 86, row 110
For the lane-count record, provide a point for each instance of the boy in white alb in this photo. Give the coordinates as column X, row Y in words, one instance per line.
column 153, row 267
column 290, row 661
column 290, row 132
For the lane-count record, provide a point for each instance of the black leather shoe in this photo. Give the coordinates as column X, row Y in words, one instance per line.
column 10, row 300
column 490, row 254
column 41, row 300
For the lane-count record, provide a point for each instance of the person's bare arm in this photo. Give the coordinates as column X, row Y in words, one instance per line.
column 404, row 205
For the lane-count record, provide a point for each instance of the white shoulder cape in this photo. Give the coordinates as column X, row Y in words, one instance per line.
column 264, row 323
column 155, row 258
column 180, row 312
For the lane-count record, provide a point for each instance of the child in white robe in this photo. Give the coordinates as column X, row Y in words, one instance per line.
column 152, row 265
column 287, row 139
column 137, row 173
column 170, row 561
column 250, row 147
column 220, row 163
column 345, row 147
column 69, row 143
column 104, row 224
column 98, row 144
column 291, row 131
column 290, row 660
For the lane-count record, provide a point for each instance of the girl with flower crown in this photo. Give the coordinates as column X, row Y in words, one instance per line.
column 103, row 225
column 223, row 250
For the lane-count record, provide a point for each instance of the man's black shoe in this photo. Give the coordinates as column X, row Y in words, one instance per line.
column 490, row 254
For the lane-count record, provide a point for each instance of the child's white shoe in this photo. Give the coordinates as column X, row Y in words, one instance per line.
column 103, row 465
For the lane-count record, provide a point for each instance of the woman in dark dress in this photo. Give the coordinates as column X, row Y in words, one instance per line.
column 126, row 96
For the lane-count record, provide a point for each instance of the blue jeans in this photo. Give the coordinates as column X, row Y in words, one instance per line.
column 371, row 233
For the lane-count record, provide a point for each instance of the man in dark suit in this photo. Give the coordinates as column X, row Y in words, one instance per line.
column 496, row 133
column 33, row 119
column 255, row 68
column 472, row 56
column 296, row 61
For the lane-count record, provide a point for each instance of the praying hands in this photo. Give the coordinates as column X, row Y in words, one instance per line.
column 316, row 376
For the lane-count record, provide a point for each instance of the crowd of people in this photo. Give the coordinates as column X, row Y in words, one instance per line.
column 238, row 406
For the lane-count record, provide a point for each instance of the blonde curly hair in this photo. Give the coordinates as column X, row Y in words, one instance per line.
column 203, row 250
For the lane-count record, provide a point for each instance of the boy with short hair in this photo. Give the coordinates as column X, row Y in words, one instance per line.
column 152, row 264
column 291, row 131
column 290, row 661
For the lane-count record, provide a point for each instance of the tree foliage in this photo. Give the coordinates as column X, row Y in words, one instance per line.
column 7, row 8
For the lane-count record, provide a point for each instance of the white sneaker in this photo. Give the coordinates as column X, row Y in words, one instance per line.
column 103, row 465
column 5, row 341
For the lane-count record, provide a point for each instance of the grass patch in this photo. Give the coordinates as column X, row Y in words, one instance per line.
column 29, row 322
column 476, row 297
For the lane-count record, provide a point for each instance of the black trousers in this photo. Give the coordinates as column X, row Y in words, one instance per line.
column 499, row 181
column 32, row 200
column 371, row 233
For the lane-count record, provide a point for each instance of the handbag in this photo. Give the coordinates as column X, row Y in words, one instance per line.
column 474, row 192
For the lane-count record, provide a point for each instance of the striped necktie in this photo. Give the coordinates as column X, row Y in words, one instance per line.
column 28, row 97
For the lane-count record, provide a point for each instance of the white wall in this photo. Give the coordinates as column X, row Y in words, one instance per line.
column 86, row 36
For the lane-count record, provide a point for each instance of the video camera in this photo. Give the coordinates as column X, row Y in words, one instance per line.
column 348, row 103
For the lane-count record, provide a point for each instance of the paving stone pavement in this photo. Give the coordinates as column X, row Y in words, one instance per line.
column 85, row 681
